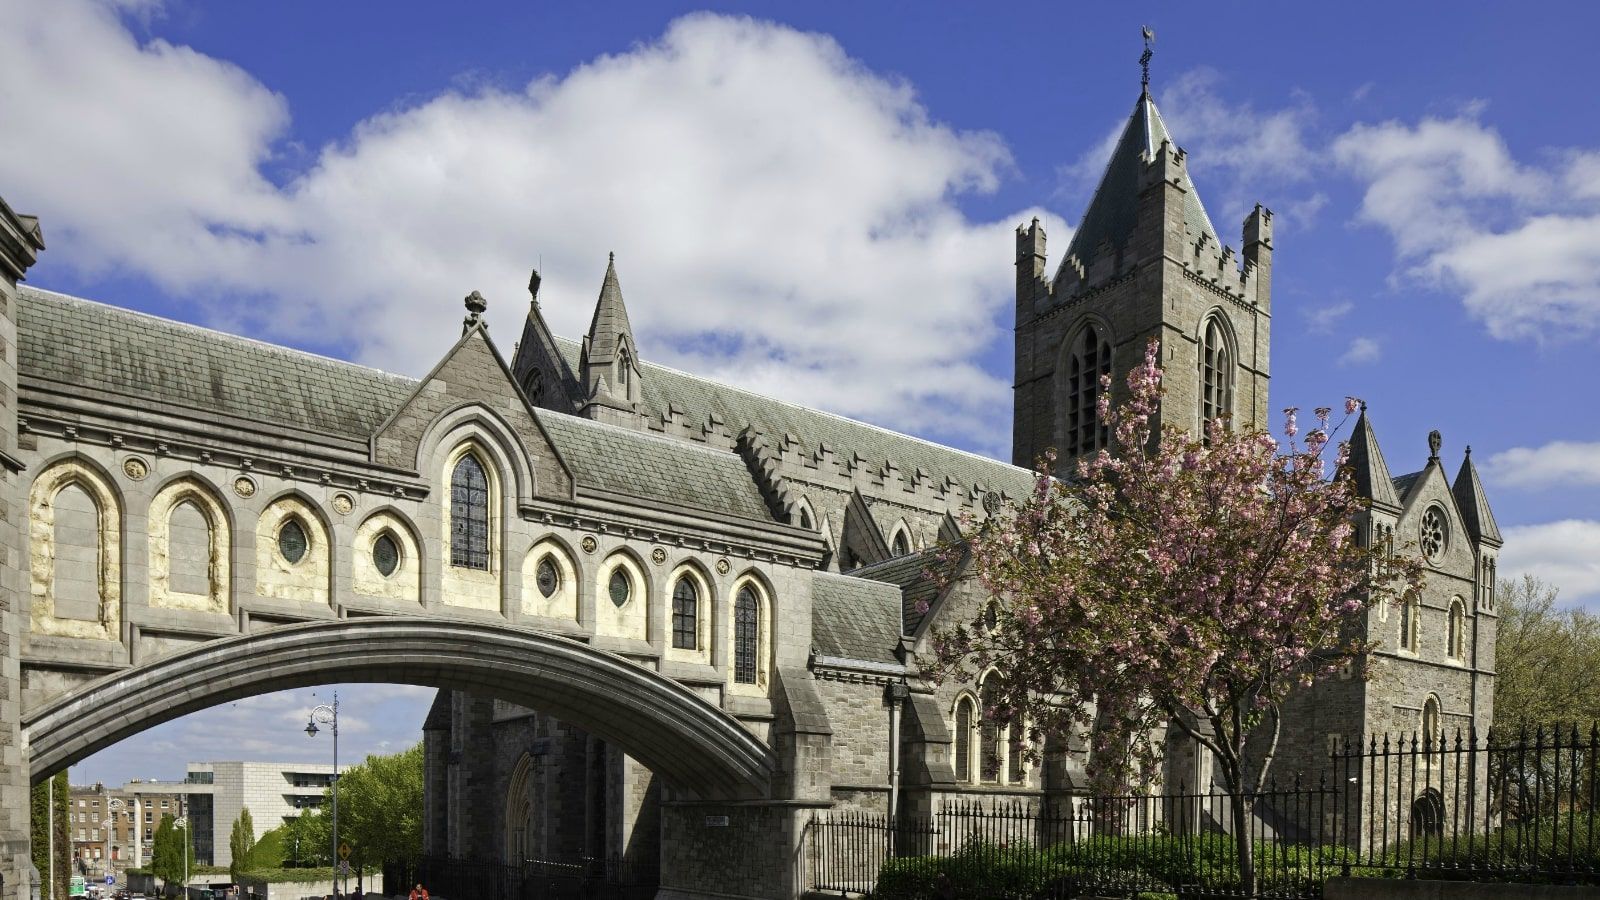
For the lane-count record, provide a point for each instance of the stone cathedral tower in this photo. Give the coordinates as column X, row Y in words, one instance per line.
column 1143, row 262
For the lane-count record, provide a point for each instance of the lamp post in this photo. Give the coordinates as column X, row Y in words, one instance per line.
column 112, row 806
column 330, row 716
column 182, row 824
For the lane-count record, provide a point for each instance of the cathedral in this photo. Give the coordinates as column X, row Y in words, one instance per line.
column 771, row 572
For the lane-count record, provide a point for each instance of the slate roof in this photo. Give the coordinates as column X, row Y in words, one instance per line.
column 106, row 350
column 1474, row 502
column 699, row 398
column 610, row 322
column 1402, row 484
column 1367, row 465
column 654, row 467
column 1114, row 208
column 910, row 573
column 854, row 618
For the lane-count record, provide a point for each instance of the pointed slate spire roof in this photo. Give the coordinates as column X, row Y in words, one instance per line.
column 610, row 322
column 1474, row 503
column 1367, row 465
column 1113, row 210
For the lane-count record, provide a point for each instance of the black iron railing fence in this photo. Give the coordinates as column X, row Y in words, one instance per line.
column 612, row 878
column 1515, row 805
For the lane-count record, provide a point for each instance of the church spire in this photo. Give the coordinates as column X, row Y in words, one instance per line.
column 1367, row 466
column 1110, row 219
column 609, row 363
column 1474, row 503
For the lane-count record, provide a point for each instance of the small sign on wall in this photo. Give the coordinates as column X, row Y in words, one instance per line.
column 716, row 821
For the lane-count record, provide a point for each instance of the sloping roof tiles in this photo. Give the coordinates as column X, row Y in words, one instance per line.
column 854, row 618
column 910, row 573
column 653, row 467
column 699, row 398
column 107, row 350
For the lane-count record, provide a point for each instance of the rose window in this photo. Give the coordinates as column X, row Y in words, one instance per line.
column 1432, row 534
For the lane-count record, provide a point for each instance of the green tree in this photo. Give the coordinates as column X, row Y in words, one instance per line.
column 53, row 878
column 1547, row 659
column 171, row 853
column 380, row 811
column 241, row 842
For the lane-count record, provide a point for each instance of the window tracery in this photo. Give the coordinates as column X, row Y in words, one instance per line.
column 469, row 514
column 746, row 635
column 1088, row 361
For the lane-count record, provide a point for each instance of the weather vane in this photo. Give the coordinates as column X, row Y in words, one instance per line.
column 1144, row 58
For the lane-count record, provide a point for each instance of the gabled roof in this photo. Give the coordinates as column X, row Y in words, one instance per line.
column 109, row 352
column 854, row 618
column 1113, row 211
column 1404, row 483
column 920, row 577
column 1367, row 466
column 653, row 467
column 1474, row 503
column 698, row 399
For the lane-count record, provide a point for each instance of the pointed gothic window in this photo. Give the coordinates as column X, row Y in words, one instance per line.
column 624, row 370
column 1457, row 633
column 1216, row 373
column 1430, row 722
column 902, row 545
column 685, row 613
column 1410, row 631
column 1089, row 360
column 746, row 635
column 469, row 514
column 533, row 385
column 805, row 519
column 989, row 731
column 963, row 747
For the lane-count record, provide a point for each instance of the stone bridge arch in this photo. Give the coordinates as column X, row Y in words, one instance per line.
column 699, row 749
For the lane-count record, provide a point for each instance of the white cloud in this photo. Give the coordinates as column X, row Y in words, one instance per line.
column 777, row 210
column 1556, row 464
column 1362, row 351
column 1521, row 243
column 1322, row 319
column 1565, row 554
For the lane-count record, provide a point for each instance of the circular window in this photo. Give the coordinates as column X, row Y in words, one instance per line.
column 1433, row 534
column 386, row 554
column 292, row 541
column 547, row 577
column 621, row 587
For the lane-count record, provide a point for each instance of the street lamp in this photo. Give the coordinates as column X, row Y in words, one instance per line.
column 330, row 716
column 182, row 824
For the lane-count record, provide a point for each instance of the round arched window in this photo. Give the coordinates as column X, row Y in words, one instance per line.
column 621, row 587
column 547, row 577
column 386, row 554
column 1434, row 535
column 292, row 541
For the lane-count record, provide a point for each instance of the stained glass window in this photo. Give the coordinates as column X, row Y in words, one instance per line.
column 1089, row 360
column 292, row 541
column 621, row 587
column 469, row 515
column 547, row 577
column 386, row 554
column 685, row 614
column 746, row 635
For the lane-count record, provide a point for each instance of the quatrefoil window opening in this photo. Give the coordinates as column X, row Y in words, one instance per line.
column 292, row 541
column 547, row 577
column 621, row 587
column 1433, row 534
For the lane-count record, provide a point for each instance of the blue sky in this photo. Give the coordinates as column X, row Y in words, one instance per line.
column 786, row 185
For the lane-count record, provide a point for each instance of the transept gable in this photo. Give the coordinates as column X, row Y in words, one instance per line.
column 538, row 366
column 862, row 542
column 472, row 374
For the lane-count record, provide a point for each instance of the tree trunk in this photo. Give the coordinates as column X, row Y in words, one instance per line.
column 1241, row 837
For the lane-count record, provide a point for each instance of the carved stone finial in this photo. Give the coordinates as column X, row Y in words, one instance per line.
column 1435, row 441
column 476, row 305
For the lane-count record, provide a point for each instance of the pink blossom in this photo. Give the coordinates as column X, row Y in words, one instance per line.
column 1350, row 405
